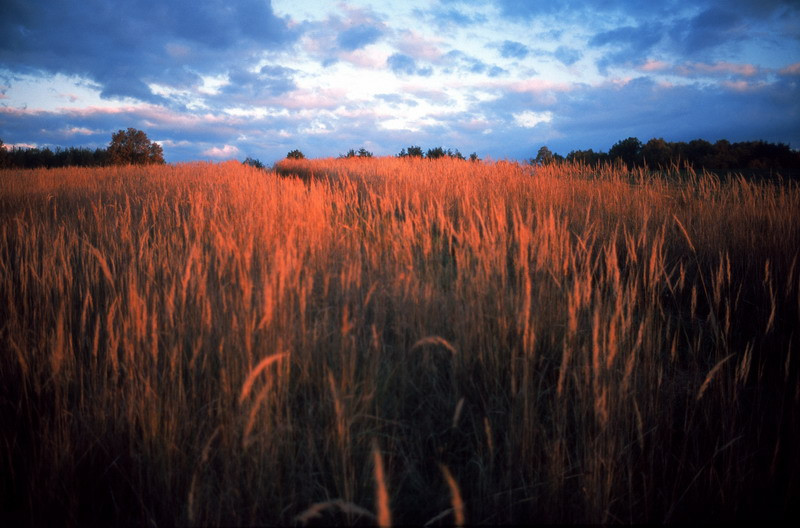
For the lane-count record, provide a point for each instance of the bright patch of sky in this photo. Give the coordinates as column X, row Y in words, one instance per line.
column 55, row 92
column 215, row 80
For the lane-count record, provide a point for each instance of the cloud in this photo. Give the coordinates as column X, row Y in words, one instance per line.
column 583, row 9
column 513, row 50
column 567, row 56
column 716, row 70
column 227, row 151
column 711, row 28
column 528, row 119
column 466, row 63
column 249, row 87
column 126, row 46
column 526, row 9
column 596, row 115
column 396, row 100
column 629, row 39
column 792, row 69
column 451, row 17
column 418, row 46
column 211, row 77
column 359, row 36
column 402, row 64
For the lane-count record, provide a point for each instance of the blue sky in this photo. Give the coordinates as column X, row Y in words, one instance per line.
column 226, row 79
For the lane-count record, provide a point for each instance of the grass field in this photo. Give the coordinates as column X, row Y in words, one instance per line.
column 396, row 341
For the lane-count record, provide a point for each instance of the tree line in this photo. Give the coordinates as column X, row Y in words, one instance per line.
column 126, row 147
column 435, row 153
column 698, row 153
column 132, row 146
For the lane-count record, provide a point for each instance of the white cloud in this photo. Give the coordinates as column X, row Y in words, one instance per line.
column 227, row 151
column 529, row 119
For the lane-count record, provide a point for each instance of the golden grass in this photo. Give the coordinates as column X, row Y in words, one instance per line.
column 213, row 344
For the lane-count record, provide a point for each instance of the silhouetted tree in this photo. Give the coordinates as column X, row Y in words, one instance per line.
column 474, row 157
column 543, row 157
column 455, row 154
column 133, row 147
column 411, row 152
column 656, row 153
column 435, row 153
column 700, row 153
column 253, row 162
column 295, row 154
column 628, row 150
column 361, row 153
column 724, row 156
column 589, row 157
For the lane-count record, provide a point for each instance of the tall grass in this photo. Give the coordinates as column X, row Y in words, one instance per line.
column 397, row 341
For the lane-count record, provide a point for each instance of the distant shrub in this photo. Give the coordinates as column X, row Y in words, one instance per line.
column 440, row 152
column 411, row 152
column 295, row 154
column 253, row 162
column 361, row 153
column 435, row 153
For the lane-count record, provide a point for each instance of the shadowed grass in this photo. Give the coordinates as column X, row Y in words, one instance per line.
column 397, row 341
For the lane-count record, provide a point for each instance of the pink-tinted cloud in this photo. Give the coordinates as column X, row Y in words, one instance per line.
column 654, row 66
column 419, row 47
column 792, row 69
column 312, row 99
column 538, row 86
column 743, row 86
column 425, row 91
column 475, row 124
column 225, row 152
column 79, row 131
column 695, row 69
column 702, row 69
column 364, row 58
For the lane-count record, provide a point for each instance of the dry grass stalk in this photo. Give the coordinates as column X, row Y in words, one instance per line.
column 710, row 376
column 258, row 369
column 316, row 510
column 384, row 516
column 455, row 496
column 586, row 302
column 435, row 340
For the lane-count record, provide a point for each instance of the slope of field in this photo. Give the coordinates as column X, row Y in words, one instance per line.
column 396, row 341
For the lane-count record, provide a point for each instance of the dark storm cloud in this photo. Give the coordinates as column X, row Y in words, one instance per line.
column 359, row 36
column 123, row 46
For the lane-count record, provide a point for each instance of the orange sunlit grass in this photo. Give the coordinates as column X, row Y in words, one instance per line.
column 388, row 339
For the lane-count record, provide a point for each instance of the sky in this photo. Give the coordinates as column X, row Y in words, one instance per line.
column 227, row 79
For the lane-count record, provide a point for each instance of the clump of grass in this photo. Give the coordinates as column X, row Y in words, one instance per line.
column 397, row 341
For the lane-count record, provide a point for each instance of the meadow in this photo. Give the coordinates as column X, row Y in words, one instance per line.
column 397, row 341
